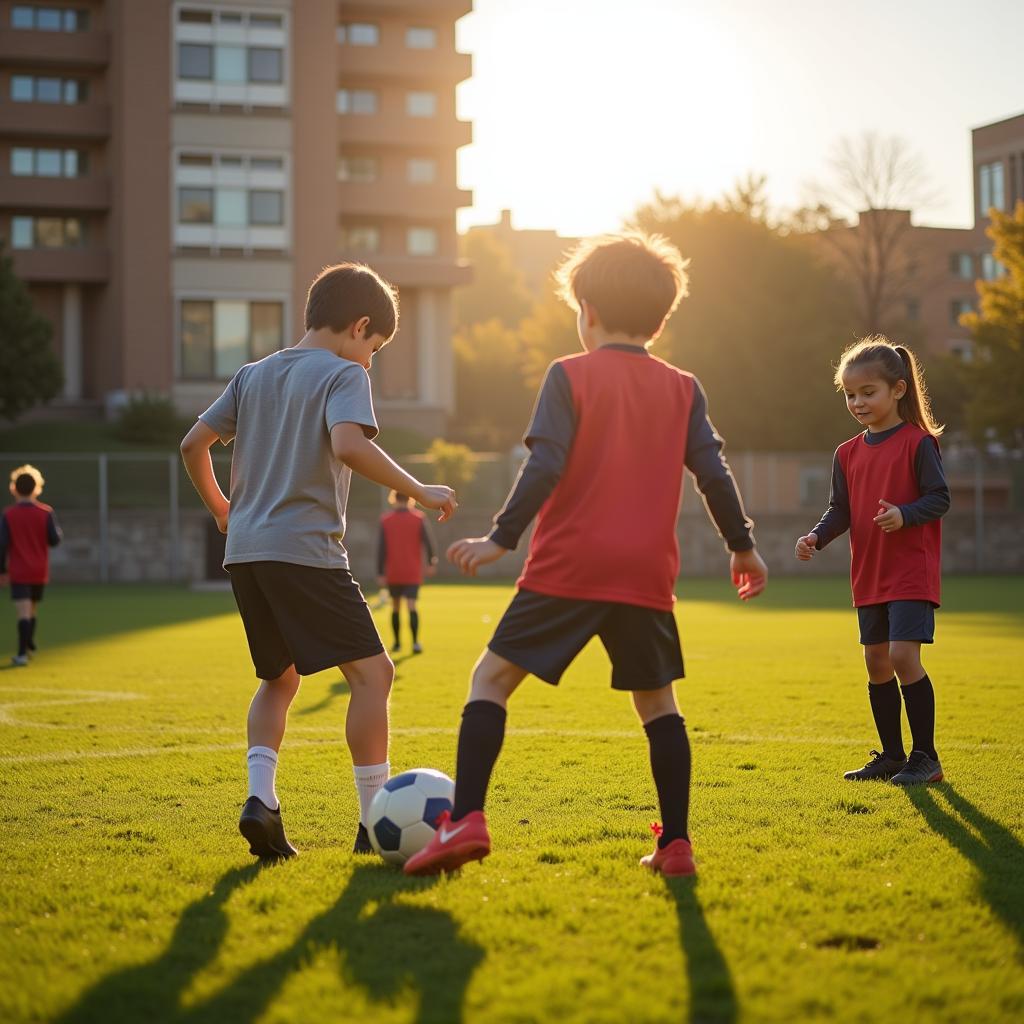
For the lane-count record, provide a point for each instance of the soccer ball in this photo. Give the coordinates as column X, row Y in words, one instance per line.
column 404, row 812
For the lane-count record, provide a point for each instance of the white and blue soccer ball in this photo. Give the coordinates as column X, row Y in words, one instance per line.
column 404, row 812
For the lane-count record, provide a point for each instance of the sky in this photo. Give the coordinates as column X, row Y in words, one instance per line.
column 582, row 108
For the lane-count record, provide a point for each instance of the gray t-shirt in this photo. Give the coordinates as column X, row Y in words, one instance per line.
column 288, row 492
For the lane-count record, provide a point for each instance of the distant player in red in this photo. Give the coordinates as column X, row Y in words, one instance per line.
column 28, row 529
column 400, row 554
column 612, row 434
column 889, row 491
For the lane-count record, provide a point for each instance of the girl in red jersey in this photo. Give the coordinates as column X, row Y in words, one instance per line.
column 402, row 544
column 889, row 491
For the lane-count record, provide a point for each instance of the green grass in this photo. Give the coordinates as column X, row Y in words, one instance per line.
column 128, row 896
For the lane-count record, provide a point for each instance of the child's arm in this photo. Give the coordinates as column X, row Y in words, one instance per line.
column 428, row 547
column 931, row 481
column 54, row 534
column 5, row 540
column 549, row 438
column 195, row 453
column 836, row 520
column 351, row 445
column 382, row 556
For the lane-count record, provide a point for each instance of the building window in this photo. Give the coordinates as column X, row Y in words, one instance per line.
column 991, row 186
column 421, row 104
column 357, row 170
column 359, row 238
column 49, row 19
column 271, row 21
column 46, row 232
column 961, row 264
column 957, row 308
column 421, row 170
column 359, row 33
column 266, row 207
column 218, row 337
column 356, row 101
column 991, row 268
column 421, row 241
column 265, row 64
column 417, row 38
column 195, row 61
column 229, row 207
column 43, row 89
column 230, row 65
column 195, row 205
column 47, row 163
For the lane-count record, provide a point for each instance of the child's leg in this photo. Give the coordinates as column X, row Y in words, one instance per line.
column 396, row 620
column 23, row 612
column 884, row 694
column 268, row 715
column 918, row 694
column 670, row 758
column 366, row 725
column 483, row 730
column 32, row 627
column 414, row 619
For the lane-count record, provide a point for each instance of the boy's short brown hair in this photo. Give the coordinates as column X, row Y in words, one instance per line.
column 341, row 294
column 27, row 481
column 633, row 281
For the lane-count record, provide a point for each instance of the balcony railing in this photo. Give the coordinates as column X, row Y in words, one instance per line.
column 87, row 265
column 55, row 120
column 397, row 61
column 54, row 49
column 399, row 199
column 55, row 193
column 406, row 131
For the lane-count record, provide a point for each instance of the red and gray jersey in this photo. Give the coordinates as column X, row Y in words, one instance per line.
column 28, row 529
column 403, row 542
column 611, row 435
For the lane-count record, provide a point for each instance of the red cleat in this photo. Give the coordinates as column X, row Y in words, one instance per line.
column 453, row 844
column 674, row 861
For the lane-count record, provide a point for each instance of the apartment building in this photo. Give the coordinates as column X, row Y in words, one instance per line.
column 173, row 174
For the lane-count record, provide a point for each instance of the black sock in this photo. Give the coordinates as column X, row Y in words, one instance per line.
column 414, row 625
column 24, row 631
column 32, row 634
column 670, row 764
column 480, row 739
column 920, row 700
column 395, row 626
column 885, row 706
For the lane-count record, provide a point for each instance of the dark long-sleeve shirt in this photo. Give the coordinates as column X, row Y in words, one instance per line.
column 549, row 438
column 931, row 480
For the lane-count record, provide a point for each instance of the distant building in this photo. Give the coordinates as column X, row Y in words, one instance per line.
column 535, row 252
column 173, row 174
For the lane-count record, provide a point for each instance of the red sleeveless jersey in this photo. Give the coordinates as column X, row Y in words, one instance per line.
column 900, row 566
column 403, row 544
column 608, row 530
column 28, row 554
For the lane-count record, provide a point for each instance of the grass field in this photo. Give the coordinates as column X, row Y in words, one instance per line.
column 128, row 896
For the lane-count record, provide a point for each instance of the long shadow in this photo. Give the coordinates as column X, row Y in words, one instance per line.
column 387, row 947
column 152, row 991
column 712, row 993
column 993, row 849
column 335, row 690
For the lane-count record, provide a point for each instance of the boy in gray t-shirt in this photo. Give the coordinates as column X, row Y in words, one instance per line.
column 301, row 420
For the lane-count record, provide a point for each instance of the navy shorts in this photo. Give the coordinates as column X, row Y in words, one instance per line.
column 27, row 591
column 897, row 620
column 409, row 590
column 543, row 635
column 303, row 616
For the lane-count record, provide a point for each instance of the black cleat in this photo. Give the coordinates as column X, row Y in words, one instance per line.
column 264, row 831
column 362, row 843
column 881, row 767
column 921, row 767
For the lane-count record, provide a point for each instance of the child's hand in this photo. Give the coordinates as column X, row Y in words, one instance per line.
column 889, row 517
column 431, row 569
column 5, row 579
column 437, row 496
column 806, row 547
column 471, row 553
column 749, row 573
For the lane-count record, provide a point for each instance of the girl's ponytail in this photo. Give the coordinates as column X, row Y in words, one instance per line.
column 915, row 406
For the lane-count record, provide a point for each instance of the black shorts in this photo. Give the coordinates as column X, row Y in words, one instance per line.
column 897, row 620
column 409, row 590
column 303, row 616
column 543, row 635
column 27, row 591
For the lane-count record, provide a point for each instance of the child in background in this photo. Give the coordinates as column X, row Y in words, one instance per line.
column 28, row 530
column 402, row 543
column 889, row 491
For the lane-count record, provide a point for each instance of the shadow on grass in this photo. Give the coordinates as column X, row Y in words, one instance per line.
column 993, row 849
column 387, row 947
column 712, row 995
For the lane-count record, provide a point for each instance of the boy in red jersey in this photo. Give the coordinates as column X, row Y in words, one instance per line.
column 889, row 491
column 28, row 530
column 612, row 432
column 402, row 543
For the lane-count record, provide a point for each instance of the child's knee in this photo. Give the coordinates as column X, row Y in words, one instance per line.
column 876, row 657
column 373, row 676
column 287, row 683
column 651, row 704
column 906, row 660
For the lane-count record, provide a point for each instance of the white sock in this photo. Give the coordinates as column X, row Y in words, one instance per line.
column 262, row 771
column 369, row 779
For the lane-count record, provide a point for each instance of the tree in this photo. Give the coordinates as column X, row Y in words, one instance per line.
column 763, row 324
column 996, row 374
column 497, row 291
column 29, row 370
column 863, row 216
column 548, row 333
